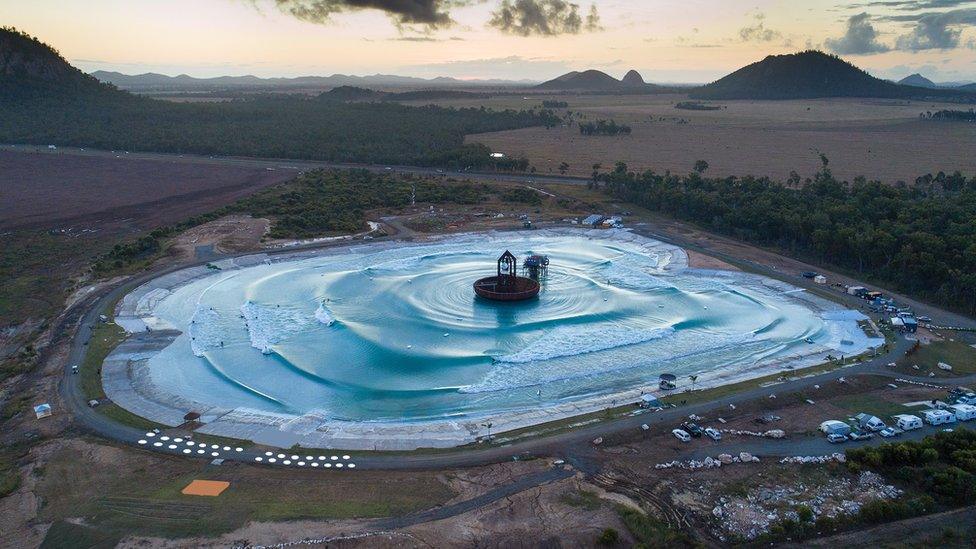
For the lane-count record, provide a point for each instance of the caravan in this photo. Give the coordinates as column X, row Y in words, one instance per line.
column 938, row 417
column 907, row 422
column 869, row 422
column 963, row 412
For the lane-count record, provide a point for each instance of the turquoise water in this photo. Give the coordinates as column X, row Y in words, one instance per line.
column 398, row 334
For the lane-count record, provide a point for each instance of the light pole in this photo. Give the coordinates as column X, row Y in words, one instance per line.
column 488, row 425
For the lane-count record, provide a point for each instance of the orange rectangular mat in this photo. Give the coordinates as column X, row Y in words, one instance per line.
column 206, row 488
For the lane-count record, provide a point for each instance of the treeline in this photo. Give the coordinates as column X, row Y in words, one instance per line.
column 603, row 127
column 88, row 114
column 919, row 238
column 553, row 104
column 320, row 203
column 952, row 115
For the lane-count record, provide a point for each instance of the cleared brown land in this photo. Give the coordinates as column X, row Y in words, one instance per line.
column 37, row 189
column 878, row 139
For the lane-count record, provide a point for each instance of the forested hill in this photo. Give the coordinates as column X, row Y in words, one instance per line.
column 44, row 100
column 919, row 239
column 807, row 75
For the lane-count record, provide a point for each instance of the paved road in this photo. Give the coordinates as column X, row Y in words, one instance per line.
column 295, row 165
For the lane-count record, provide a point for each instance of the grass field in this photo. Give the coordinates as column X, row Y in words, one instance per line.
column 958, row 354
column 878, row 139
column 119, row 493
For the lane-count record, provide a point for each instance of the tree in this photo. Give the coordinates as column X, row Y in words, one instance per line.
column 693, row 379
column 701, row 167
column 563, row 168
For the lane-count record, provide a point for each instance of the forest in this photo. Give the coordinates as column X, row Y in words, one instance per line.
column 917, row 238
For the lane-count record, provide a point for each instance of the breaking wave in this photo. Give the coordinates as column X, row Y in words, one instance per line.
column 581, row 339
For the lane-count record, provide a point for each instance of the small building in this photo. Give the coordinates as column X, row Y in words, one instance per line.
column 911, row 325
column 650, row 401
column 869, row 422
column 963, row 412
column 42, row 410
column 834, row 427
column 938, row 417
column 897, row 323
column 820, row 279
column 907, row 422
column 857, row 290
column 593, row 220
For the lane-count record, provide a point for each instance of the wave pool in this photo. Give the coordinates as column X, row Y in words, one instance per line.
column 381, row 333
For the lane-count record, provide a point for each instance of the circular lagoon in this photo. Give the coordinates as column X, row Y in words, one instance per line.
column 381, row 333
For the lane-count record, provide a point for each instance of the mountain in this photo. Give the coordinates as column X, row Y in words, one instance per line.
column 807, row 75
column 918, row 80
column 160, row 82
column 634, row 79
column 597, row 81
column 28, row 67
column 968, row 88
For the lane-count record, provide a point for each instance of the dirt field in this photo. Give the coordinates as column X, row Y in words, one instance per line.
column 876, row 138
column 37, row 190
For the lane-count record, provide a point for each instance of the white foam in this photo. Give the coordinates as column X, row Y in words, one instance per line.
column 268, row 325
column 204, row 331
column 581, row 339
column 324, row 316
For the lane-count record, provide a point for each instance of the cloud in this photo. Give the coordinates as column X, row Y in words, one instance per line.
column 935, row 30
column 543, row 17
column 758, row 32
column 429, row 13
column 861, row 38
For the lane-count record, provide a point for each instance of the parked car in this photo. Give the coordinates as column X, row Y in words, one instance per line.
column 692, row 428
column 888, row 432
column 74, row 368
column 858, row 435
column 681, row 435
column 836, row 438
column 713, row 433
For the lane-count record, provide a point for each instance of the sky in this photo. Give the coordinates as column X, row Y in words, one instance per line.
column 689, row 41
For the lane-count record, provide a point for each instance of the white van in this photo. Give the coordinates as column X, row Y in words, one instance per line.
column 907, row 422
column 681, row 435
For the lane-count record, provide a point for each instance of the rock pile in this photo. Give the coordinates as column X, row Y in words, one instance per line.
column 772, row 433
column 838, row 457
column 709, row 462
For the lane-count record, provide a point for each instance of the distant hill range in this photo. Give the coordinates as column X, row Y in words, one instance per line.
column 150, row 82
column 923, row 82
column 808, row 75
column 598, row 81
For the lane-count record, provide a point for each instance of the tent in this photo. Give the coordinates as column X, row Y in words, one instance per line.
column 42, row 410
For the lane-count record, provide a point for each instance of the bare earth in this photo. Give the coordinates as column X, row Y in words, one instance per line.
column 878, row 139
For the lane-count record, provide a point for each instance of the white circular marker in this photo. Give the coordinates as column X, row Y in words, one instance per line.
column 269, row 454
column 322, row 458
column 308, row 458
column 227, row 448
column 215, row 447
column 157, row 444
column 163, row 438
column 190, row 443
column 177, row 440
column 238, row 449
column 143, row 441
column 272, row 460
column 294, row 457
column 335, row 458
column 215, row 454
column 338, row 465
column 150, row 434
column 186, row 450
column 172, row 446
column 281, row 456
column 351, row 465
column 301, row 464
column 345, row 458
column 286, row 462
column 201, row 451
column 259, row 458
column 327, row 465
column 315, row 464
